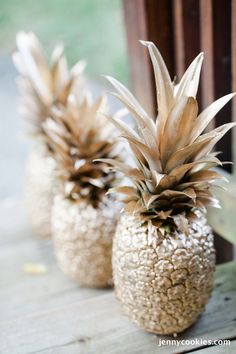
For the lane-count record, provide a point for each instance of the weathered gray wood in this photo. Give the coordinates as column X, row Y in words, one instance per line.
column 13, row 221
column 47, row 292
column 96, row 325
column 219, row 349
column 22, row 294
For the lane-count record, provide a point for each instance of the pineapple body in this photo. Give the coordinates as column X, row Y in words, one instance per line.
column 40, row 185
column 163, row 283
column 82, row 238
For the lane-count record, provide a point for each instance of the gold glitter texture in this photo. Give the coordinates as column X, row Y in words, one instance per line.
column 83, row 237
column 163, row 282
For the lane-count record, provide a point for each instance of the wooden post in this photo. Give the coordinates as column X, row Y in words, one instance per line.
column 206, row 44
column 141, row 19
column 181, row 29
column 222, row 70
column 186, row 14
column 233, row 44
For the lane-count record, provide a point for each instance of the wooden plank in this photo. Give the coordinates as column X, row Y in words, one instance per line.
column 211, row 350
column 233, row 45
column 206, row 39
column 186, row 17
column 179, row 37
column 27, row 294
column 215, row 44
column 97, row 325
column 191, row 30
column 148, row 20
column 222, row 70
column 141, row 75
column 13, row 209
column 160, row 29
column 218, row 349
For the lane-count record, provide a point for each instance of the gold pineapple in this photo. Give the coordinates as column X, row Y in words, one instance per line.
column 42, row 86
column 163, row 252
column 83, row 217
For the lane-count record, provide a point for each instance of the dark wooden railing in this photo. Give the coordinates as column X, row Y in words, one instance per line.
column 181, row 29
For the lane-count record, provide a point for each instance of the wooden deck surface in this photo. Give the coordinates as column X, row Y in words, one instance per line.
column 47, row 313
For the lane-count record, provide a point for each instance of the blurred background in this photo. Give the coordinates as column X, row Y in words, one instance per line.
column 91, row 30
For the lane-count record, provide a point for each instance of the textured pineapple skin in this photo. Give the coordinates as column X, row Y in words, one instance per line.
column 82, row 237
column 40, row 185
column 163, row 284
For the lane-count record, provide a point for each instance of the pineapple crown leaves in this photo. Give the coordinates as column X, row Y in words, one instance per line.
column 78, row 135
column 173, row 155
column 43, row 84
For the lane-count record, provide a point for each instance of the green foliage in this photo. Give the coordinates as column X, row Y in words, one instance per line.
column 90, row 29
